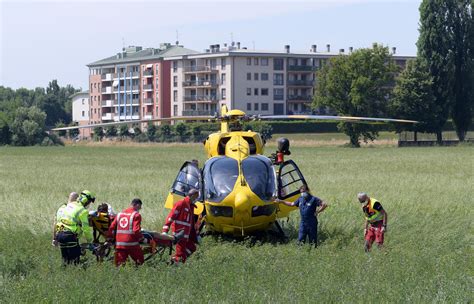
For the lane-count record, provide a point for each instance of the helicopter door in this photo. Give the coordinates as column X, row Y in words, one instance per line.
column 290, row 179
column 189, row 177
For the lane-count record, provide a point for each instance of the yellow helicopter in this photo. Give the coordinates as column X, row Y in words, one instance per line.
column 238, row 184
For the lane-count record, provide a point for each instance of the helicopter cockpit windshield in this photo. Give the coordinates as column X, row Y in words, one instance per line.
column 260, row 176
column 220, row 175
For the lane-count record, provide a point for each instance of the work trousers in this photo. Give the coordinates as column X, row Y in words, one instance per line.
column 70, row 249
column 184, row 248
column 308, row 229
column 135, row 252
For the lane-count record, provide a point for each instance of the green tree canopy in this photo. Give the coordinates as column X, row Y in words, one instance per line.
column 413, row 98
column 28, row 128
column 358, row 84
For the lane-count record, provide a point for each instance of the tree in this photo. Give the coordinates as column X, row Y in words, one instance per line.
column 151, row 132
column 165, row 131
column 73, row 133
column 60, row 124
column 98, row 133
column 5, row 133
column 111, row 131
column 434, row 49
column 123, row 131
column 413, row 98
column 461, row 40
column 181, row 130
column 358, row 84
column 28, row 128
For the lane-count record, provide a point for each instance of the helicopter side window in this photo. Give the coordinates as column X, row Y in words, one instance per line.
column 260, row 176
column 252, row 145
column 221, row 146
column 188, row 178
column 290, row 180
column 220, row 175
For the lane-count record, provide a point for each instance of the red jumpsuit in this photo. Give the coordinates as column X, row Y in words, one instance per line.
column 181, row 217
column 127, row 231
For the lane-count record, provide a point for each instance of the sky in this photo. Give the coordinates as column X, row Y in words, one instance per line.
column 41, row 41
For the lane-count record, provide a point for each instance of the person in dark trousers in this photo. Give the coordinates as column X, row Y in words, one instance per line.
column 310, row 206
column 375, row 221
column 72, row 223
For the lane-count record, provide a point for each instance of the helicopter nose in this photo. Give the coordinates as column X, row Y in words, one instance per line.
column 241, row 207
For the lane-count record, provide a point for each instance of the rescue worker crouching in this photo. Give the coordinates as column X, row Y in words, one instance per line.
column 375, row 221
column 72, row 198
column 126, row 229
column 310, row 206
column 72, row 223
column 181, row 218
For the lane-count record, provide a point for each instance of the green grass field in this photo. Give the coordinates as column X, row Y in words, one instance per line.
column 427, row 192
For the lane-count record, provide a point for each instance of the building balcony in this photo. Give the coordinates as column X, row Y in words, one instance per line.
column 200, row 69
column 148, row 73
column 147, row 87
column 106, row 90
column 107, row 77
column 107, row 103
column 148, row 101
column 127, row 89
column 199, row 83
column 123, row 102
column 300, row 83
column 148, row 115
column 126, row 117
column 304, row 98
column 107, row 116
column 204, row 98
column 301, row 68
column 126, row 75
column 198, row 113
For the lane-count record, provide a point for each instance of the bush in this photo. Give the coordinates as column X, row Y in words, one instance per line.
column 98, row 133
column 142, row 137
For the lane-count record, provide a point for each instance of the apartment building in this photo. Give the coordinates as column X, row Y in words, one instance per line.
column 133, row 84
column 257, row 82
column 80, row 111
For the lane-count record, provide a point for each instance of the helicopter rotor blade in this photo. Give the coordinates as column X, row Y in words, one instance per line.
column 130, row 122
column 322, row 118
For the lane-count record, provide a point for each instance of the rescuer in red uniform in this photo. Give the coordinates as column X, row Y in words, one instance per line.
column 181, row 217
column 126, row 228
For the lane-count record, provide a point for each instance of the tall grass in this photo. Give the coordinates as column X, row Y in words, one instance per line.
column 427, row 192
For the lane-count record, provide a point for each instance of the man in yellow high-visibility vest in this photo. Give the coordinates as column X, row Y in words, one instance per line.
column 375, row 220
column 72, row 223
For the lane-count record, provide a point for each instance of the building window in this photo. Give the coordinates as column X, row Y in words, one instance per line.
column 98, row 98
column 278, row 79
column 264, row 106
column 255, row 106
column 278, row 94
column 175, row 96
column 223, row 78
column 255, row 61
column 95, row 98
column 175, row 110
column 249, row 106
column 175, row 66
column 264, row 76
column 91, row 88
column 223, row 63
column 255, row 92
column 264, row 61
column 83, row 100
column 264, row 92
column 278, row 64
column 255, row 76
column 95, row 85
column 223, row 94
column 249, row 61
column 95, row 111
column 83, row 113
column 249, row 91
column 249, row 76
column 175, row 81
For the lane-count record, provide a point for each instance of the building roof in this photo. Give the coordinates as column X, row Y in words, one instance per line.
column 247, row 52
column 80, row 93
column 134, row 54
